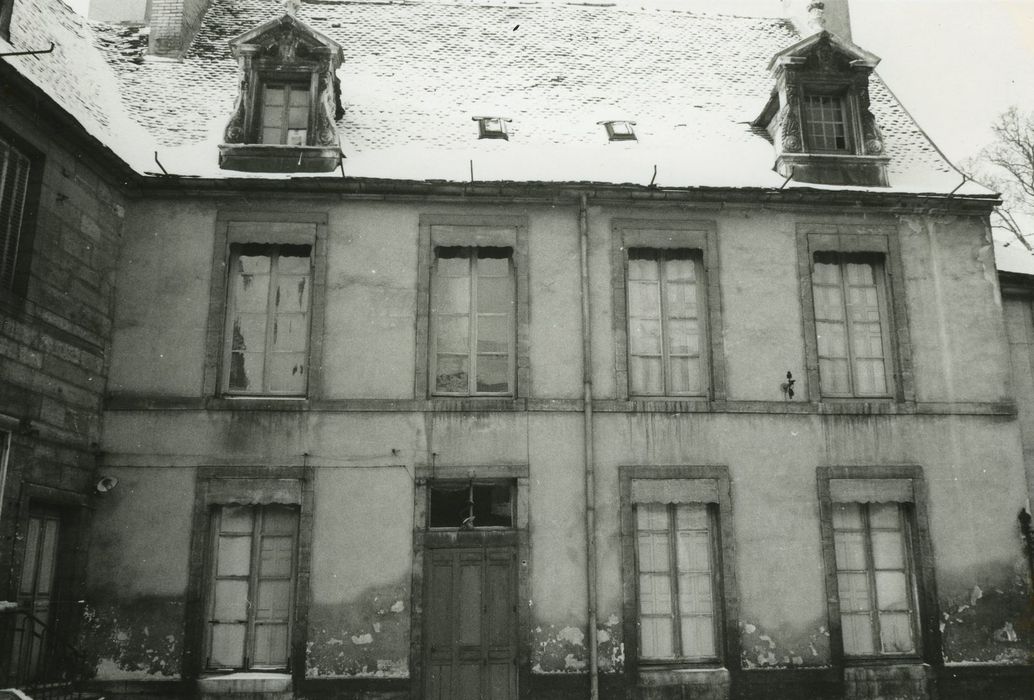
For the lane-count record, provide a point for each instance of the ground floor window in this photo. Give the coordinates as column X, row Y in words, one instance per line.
column 875, row 580
column 251, row 593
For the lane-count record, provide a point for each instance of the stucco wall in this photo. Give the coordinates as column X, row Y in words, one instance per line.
column 366, row 453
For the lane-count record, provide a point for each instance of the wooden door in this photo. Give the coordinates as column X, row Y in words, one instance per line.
column 471, row 624
column 36, row 590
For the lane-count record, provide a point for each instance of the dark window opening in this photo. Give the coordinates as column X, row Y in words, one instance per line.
column 470, row 505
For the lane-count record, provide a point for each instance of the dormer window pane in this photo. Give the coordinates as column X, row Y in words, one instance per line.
column 492, row 127
column 825, row 123
column 285, row 114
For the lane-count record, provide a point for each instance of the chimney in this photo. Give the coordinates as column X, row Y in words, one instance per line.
column 173, row 25
column 810, row 16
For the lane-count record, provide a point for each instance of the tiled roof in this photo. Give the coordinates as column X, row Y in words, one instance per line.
column 415, row 72
column 74, row 74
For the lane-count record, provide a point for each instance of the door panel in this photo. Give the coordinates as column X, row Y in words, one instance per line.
column 471, row 618
column 36, row 589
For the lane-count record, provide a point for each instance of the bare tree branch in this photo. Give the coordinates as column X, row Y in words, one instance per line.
column 1007, row 166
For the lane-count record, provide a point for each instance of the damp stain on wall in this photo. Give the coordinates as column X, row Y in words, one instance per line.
column 785, row 646
column 991, row 622
column 367, row 637
column 563, row 648
column 138, row 639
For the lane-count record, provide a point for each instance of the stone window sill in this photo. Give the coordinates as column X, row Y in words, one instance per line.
column 714, row 679
column 272, row 158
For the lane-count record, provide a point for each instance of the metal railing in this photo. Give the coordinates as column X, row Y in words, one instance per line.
column 36, row 659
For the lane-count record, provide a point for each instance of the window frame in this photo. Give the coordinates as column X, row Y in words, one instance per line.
column 472, row 256
column 844, row 93
column 472, row 231
column 274, row 255
column 661, row 256
column 18, row 284
column 713, row 484
column 244, row 485
column 701, row 239
column 296, row 79
column 252, row 578
column 267, row 228
column 918, row 543
column 877, row 264
column 878, row 241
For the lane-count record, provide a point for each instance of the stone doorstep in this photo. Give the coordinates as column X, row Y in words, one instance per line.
column 246, row 686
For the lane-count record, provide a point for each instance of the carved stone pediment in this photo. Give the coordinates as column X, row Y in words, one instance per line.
column 823, row 64
column 285, row 49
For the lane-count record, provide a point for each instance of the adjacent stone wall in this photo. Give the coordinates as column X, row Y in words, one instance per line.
column 54, row 338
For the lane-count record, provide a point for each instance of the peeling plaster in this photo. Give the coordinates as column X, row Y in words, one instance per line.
column 992, row 621
column 366, row 637
column 783, row 647
column 561, row 648
column 138, row 639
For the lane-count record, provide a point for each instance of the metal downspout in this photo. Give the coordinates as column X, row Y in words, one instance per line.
column 590, row 476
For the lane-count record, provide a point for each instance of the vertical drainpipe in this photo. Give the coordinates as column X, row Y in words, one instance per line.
column 590, row 476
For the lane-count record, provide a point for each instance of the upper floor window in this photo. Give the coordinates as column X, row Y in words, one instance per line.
column 267, row 332
column 818, row 115
column 492, row 127
column 665, row 322
column 472, row 320
column 826, row 123
column 284, row 116
column 15, row 205
column 851, row 314
column 289, row 97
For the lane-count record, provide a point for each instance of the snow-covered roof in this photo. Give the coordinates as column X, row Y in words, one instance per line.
column 416, row 71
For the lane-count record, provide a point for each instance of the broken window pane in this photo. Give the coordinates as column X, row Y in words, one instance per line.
column 467, row 505
column 268, row 319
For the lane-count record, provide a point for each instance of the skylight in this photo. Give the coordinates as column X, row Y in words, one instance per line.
column 492, row 127
column 620, row 130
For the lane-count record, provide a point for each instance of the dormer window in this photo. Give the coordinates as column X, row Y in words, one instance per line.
column 824, row 118
column 818, row 115
column 285, row 113
column 289, row 101
column 620, row 130
column 492, row 127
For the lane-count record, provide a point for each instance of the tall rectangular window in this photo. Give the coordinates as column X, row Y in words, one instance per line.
column 472, row 321
column 285, row 114
column 851, row 324
column 875, row 579
column 251, row 592
column 14, row 188
column 826, row 123
column 267, row 334
column 666, row 312
column 676, row 561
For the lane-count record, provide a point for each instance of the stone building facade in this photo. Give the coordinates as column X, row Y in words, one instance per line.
column 485, row 418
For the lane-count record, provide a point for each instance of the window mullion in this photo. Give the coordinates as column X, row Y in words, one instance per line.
column 472, row 333
column 285, row 113
column 271, row 293
column 253, row 577
column 662, row 305
column 870, row 570
column 848, row 328
column 673, row 572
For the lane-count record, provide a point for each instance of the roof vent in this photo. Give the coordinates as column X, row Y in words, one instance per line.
column 492, row 127
column 620, row 130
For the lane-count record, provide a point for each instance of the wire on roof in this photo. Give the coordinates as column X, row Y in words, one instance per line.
column 34, row 52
